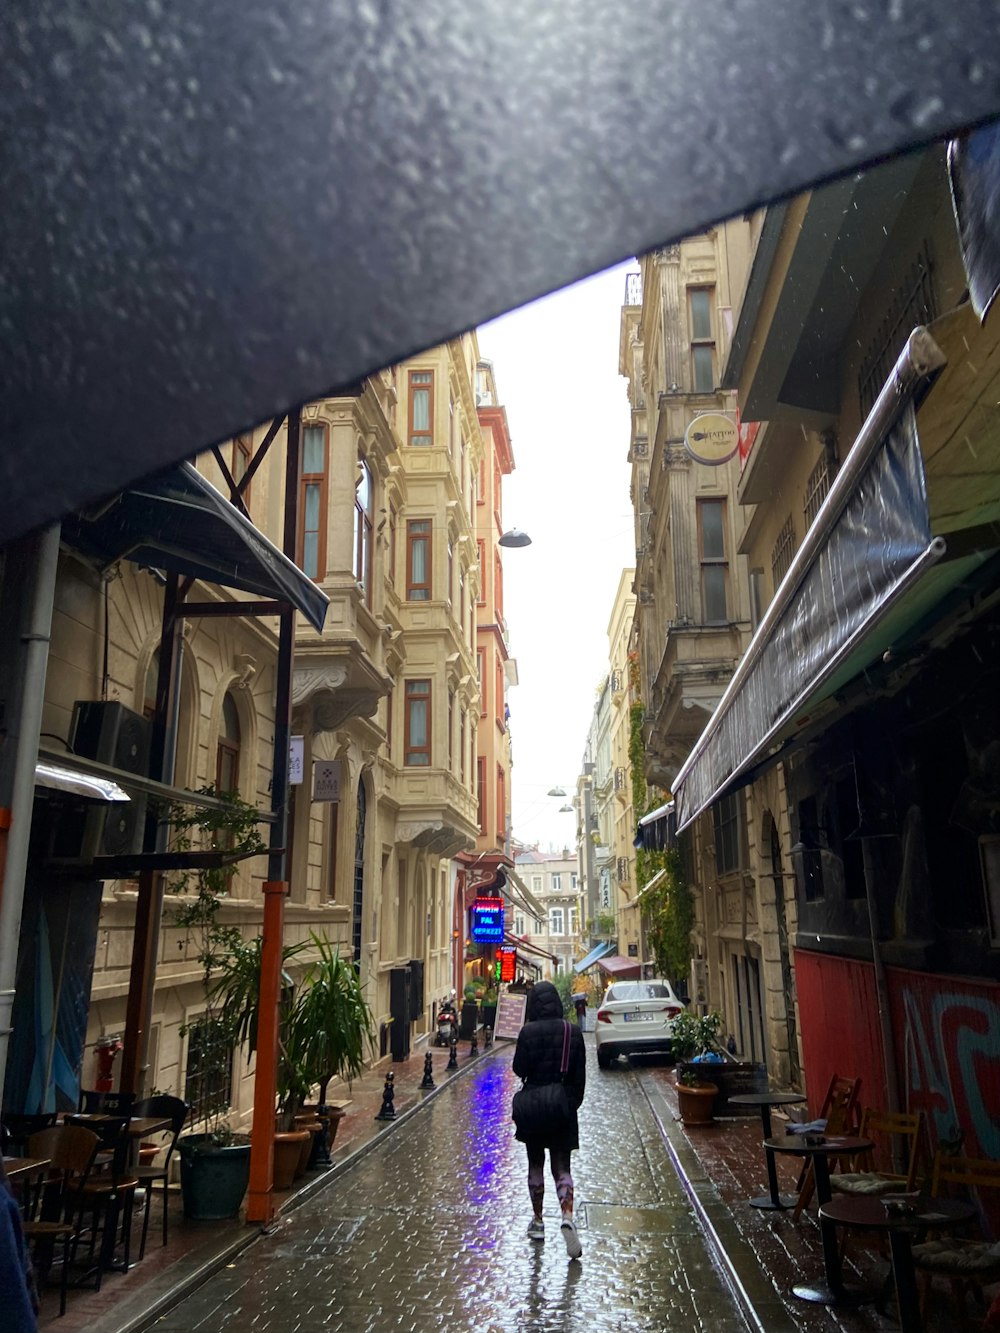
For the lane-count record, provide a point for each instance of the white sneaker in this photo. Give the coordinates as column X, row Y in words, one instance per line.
column 536, row 1229
column 569, row 1234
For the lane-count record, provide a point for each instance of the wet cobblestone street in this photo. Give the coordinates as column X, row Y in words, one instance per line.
column 428, row 1232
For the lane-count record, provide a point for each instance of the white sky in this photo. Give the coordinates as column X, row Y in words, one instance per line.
column 556, row 366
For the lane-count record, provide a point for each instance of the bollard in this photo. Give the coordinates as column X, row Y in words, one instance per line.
column 488, row 1039
column 474, row 1048
column 453, row 1055
column 428, row 1080
column 388, row 1111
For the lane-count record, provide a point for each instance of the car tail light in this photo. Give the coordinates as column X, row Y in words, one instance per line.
column 673, row 1010
column 604, row 1015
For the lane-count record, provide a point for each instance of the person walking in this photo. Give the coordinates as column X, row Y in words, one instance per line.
column 580, row 1005
column 550, row 1052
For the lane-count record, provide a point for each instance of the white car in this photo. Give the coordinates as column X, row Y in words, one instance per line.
column 636, row 1017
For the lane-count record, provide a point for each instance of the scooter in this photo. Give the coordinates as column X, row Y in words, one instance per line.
column 447, row 1023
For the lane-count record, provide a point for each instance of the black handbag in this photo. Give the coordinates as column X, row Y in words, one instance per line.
column 542, row 1109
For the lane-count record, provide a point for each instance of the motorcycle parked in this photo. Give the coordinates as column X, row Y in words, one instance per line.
column 447, row 1023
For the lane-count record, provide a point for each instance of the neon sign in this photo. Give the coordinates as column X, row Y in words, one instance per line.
column 507, row 963
column 487, row 921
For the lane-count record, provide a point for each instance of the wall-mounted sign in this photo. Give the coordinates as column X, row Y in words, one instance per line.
column 633, row 951
column 296, row 760
column 487, row 921
column 712, row 438
column 508, row 963
column 326, row 780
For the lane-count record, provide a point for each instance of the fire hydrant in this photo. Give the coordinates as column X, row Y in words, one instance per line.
column 105, row 1051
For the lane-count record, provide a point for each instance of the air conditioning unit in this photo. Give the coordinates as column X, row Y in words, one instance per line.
column 111, row 734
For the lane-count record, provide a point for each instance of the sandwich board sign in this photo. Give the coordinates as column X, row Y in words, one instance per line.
column 510, row 1016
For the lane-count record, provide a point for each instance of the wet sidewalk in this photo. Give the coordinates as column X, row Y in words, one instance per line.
column 128, row 1302
column 766, row 1253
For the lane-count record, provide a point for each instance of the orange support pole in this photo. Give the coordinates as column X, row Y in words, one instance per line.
column 260, row 1203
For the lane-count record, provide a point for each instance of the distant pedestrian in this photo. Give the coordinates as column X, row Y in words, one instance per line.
column 551, row 1059
column 580, row 1005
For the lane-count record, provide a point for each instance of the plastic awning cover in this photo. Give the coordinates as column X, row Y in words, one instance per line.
column 878, row 546
column 657, row 831
column 177, row 520
column 588, row 960
column 617, row 965
column 208, row 228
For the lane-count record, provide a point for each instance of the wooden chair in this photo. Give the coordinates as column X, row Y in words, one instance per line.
column 59, row 1204
column 967, row 1264
column 872, row 1172
column 109, row 1193
column 177, row 1109
column 19, row 1128
column 839, row 1110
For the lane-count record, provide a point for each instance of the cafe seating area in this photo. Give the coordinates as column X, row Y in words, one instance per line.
column 921, row 1255
column 77, row 1178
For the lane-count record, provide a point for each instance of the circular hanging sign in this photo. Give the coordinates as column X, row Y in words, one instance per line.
column 712, row 438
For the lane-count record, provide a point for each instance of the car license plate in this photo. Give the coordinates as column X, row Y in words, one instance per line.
column 638, row 1018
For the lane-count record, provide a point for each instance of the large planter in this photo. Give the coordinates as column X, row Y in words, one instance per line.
column 695, row 1103
column 287, row 1149
column 731, row 1077
column 489, row 1016
column 214, row 1178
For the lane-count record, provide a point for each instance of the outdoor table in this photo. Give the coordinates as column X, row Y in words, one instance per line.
column 138, row 1126
column 833, row 1291
column 765, row 1100
column 872, row 1214
column 22, row 1168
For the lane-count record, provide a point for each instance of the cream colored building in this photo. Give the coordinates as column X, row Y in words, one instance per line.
column 554, row 882
column 388, row 692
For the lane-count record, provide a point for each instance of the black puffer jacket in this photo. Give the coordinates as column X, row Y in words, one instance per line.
column 539, row 1052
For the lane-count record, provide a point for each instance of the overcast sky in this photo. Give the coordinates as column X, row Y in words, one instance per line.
column 556, row 366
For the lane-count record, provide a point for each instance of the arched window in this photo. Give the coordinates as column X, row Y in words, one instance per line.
column 227, row 755
column 363, row 501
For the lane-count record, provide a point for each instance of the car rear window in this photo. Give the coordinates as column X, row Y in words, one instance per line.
column 639, row 990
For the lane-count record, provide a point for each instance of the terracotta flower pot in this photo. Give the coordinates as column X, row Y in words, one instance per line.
column 287, row 1147
column 696, row 1103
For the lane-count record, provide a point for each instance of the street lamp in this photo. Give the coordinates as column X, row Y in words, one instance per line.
column 555, row 791
column 513, row 537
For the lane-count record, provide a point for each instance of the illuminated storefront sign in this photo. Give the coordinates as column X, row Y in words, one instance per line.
column 487, row 921
column 508, row 963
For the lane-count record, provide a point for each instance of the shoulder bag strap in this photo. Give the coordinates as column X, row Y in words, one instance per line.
column 564, row 1062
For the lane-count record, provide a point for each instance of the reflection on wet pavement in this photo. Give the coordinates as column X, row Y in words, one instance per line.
column 427, row 1232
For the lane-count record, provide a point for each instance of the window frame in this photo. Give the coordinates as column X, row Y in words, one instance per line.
column 310, row 479
column 420, row 439
column 417, row 530
column 700, row 342
column 557, row 913
column 364, row 531
column 713, row 562
column 410, row 697
column 727, row 828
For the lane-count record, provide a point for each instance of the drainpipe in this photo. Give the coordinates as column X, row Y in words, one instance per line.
column 34, row 560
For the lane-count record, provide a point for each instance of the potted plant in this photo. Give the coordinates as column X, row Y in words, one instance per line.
column 329, row 1032
column 693, row 1038
column 215, row 1161
column 490, row 996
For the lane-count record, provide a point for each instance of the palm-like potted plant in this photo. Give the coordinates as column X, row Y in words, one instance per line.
column 215, row 1161
column 695, row 1036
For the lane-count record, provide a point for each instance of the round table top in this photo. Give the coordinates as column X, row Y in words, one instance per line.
column 869, row 1213
column 766, row 1099
column 829, row 1146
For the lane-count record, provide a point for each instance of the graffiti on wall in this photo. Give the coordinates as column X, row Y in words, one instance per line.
column 950, row 1057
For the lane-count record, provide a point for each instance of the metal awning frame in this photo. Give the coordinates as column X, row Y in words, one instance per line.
column 920, row 359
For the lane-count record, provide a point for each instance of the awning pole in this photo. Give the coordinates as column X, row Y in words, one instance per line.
column 29, row 590
column 260, row 1203
column 149, row 905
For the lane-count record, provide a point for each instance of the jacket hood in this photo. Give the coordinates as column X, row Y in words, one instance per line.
column 543, row 1002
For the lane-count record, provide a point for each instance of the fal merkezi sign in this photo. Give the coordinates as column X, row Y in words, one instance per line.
column 712, row 438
